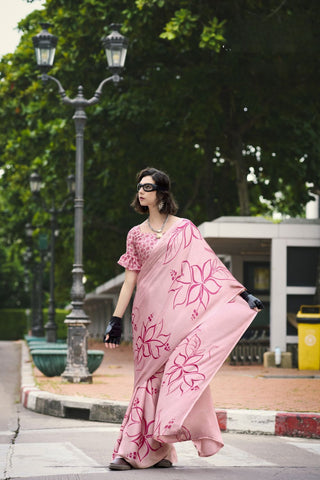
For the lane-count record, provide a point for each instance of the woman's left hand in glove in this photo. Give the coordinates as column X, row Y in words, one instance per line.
column 252, row 301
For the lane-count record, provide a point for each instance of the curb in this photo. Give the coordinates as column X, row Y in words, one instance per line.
column 262, row 422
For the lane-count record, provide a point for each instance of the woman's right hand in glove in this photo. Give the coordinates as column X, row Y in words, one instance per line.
column 113, row 332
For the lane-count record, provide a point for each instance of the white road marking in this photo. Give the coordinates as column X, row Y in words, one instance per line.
column 41, row 459
column 227, row 456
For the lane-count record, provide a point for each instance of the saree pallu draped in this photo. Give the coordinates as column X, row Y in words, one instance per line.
column 187, row 316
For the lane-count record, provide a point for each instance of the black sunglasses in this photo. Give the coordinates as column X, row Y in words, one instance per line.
column 148, row 187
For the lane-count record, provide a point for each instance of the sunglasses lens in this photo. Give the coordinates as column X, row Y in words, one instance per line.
column 147, row 187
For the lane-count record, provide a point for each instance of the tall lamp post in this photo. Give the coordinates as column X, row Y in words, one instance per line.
column 37, row 280
column 115, row 46
column 35, row 186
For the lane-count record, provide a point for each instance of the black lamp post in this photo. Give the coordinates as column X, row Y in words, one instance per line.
column 116, row 48
column 35, row 186
column 37, row 289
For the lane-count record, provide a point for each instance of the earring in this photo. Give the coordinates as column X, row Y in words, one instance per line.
column 160, row 205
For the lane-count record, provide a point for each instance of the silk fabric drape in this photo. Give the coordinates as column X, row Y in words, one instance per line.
column 187, row 316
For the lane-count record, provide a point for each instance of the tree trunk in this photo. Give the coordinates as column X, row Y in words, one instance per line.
column 237, row 161
column 242, row 186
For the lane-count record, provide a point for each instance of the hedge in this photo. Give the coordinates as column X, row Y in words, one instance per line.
column 15, row 323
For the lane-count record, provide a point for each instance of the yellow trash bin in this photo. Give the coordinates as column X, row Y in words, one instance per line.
column 308, row 319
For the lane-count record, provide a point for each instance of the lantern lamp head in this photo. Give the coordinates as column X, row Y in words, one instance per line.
column 71, row 182
column 35, row 182
column 45, row 47
column 115, row 46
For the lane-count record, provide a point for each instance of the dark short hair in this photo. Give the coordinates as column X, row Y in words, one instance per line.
column 164, row 195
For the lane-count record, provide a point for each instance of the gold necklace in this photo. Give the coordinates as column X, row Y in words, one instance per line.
column 158, row 232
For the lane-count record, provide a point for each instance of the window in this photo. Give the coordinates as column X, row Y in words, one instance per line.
column 257, row 277
column 302, row 266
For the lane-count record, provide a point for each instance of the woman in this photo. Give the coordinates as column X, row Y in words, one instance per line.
column 188, row 314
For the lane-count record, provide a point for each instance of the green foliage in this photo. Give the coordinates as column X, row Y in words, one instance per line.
column 13, row 324
column 149, row 3
column 212, row 35
column 182, row 24
column 212, row 92
column 12, row 277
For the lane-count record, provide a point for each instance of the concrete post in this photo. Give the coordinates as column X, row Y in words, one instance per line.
column 278, row 298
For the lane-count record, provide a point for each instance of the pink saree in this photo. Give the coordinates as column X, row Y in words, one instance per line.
column 187, row 316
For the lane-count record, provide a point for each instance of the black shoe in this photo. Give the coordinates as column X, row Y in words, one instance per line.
column 164, row 463
column 119, row 464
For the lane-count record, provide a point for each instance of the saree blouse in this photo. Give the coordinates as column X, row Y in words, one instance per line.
column 139, row 247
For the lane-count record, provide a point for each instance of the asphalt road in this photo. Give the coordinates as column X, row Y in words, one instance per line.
column 38, row 447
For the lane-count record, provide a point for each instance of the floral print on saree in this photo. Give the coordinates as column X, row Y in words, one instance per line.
column 186, row 318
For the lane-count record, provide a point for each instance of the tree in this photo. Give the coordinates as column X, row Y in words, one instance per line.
column 258, row 79
column 214, row 92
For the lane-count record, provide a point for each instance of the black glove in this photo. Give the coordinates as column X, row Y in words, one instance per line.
column 252, row 301
column 114, row 331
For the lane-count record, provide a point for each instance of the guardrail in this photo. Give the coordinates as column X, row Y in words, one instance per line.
column 250, row 350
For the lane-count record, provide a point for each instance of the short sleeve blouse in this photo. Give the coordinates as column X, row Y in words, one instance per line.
column 139, row 247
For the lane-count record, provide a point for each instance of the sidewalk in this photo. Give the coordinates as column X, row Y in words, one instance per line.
column 250, row 399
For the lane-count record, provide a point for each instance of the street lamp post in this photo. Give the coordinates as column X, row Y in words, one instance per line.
column 35, row 186
column 37, row 290
column 116, row 48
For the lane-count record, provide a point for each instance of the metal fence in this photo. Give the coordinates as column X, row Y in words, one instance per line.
column 250, row 349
